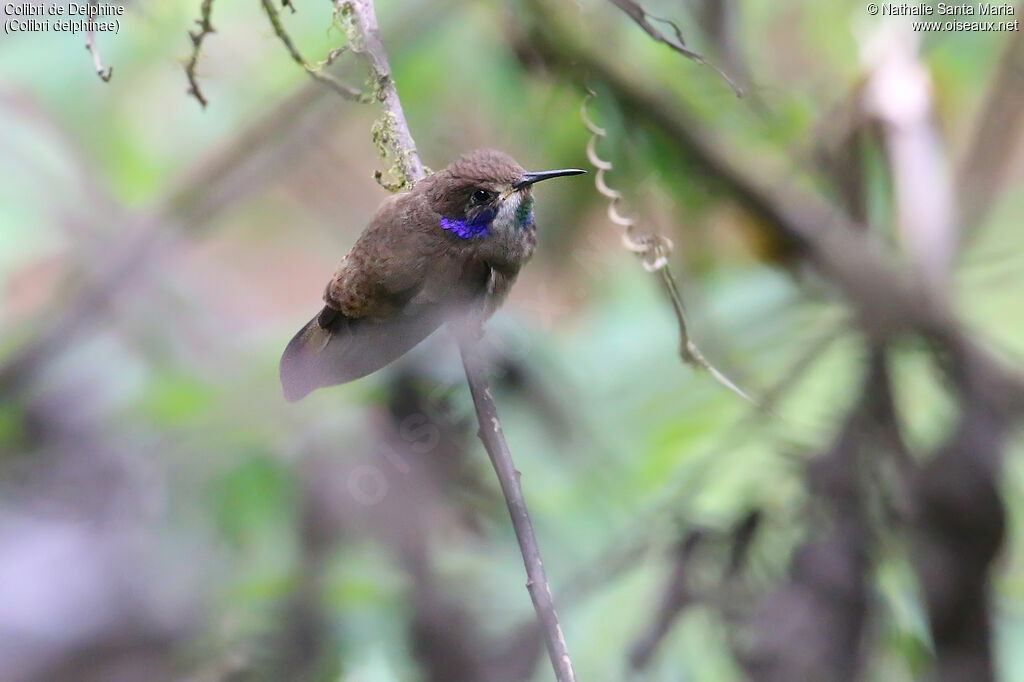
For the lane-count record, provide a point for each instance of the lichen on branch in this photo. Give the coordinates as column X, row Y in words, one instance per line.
column 391, row 135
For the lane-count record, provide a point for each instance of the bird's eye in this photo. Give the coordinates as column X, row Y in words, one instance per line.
column 482, row 196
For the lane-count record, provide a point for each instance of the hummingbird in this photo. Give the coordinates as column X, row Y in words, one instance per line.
column 447, row 250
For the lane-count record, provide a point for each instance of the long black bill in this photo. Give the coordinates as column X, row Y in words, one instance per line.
column 530, row 178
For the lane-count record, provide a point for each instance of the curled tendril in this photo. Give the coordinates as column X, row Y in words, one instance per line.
column 654, row 250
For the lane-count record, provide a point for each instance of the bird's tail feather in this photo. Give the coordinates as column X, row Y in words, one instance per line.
column 334, row 349
column 301, row 359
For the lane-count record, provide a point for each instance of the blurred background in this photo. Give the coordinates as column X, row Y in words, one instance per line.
column 165, row 515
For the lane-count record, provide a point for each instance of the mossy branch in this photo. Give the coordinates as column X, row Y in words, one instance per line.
column 390, row 132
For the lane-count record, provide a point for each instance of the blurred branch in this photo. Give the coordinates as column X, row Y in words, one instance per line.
column 824, row 604
column 216, row 181
column 436, row 494
column 960, row 527
column 685, row 588
column 642, row 19
column 997, row 132
column 675, row 597
column 304, row 649
column 445, row 639
column 316, row 73
column 28, row 111
column 838, row 150
column 90, row 45
column 205, row 28
column 960, row 520
column 899, row 94
column 390, row 133
column 301, row 646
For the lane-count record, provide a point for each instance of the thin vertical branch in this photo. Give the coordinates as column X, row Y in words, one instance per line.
column 493, row 438
column 398, row 143
column 998, row 129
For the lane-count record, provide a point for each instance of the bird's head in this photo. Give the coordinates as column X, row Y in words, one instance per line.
column 486, row 191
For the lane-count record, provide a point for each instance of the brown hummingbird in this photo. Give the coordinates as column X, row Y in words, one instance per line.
column 447, row 250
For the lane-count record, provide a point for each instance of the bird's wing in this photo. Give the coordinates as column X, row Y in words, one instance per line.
column 347, row 349
column 395, row 287
column 387, row 265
